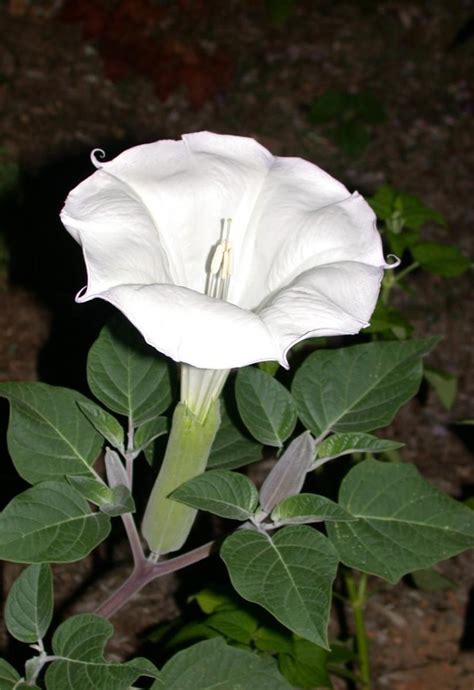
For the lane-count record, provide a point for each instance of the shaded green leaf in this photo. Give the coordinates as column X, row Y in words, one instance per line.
column 266, row 407
column 50, row 523
column 289, row 574
column 305, row 508
column 210, row 600
column 127, row 375
column 237, row 625
column 149, row 431
column 429, row 580
column 29, row 606
column 358, row 388
column 80, row 641
column 221, row 492
column 346, row 444
column 273, row 640
column 213, row 664
column 386, row 318
column 121, row 502
column 404, row 523
column 231, row 449
column 95, row 491
column 306, row 666
column 48, row 436
column 105, row 424
column 442, row 259
column 9, row 676
column 444, row 384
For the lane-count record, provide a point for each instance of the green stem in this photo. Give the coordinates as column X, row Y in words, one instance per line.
column 358, row 600
column 167, row 523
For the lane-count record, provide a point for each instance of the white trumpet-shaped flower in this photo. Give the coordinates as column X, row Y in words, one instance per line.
column 222, row 254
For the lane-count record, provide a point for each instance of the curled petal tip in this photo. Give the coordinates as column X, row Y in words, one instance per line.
column 393, row 264
column 95, row 155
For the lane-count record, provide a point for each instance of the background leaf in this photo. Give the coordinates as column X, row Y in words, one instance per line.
column 29, row 606
column 306, row 666
column 289, row 574
column 441, row 259
column 149, row 431
column 308, row 508
column 266, row 407
column 48, row 436
column 50, row 523
column 127, row 375
column 358, row 388
column 345, row 444
column 444, row 384
column 213, row 664
column 228, row 494
column 404, row 523
column 231, row 449
column 81, row 640
column 9, row 676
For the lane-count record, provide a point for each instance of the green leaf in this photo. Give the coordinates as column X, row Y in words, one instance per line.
column 105, row 424
column 48, row 436
column 93, row 490
column 288, row 474
column 210, row 600
column 266, row 407
column 441, row 259
column 221, row 492
column 273, row 640
column 81, row 641
column 358, row 388
column 444, row 384
column 429, row 580
column 306, row 666
column 305, row 508
column 237, row 625
column 213, row 664
column 121, row 502
column 149, row 431
column 270, row 367
column 9, row 676
column 352, row 137
column 29, row 606
column 50, row 523
column 346, row 444
column 289, row 574
column 127, row 375
column 386, row 318
column 231, row 449
column 400, row 210
column 404, row 523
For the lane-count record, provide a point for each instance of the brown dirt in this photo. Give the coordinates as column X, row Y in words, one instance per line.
column 224, row 67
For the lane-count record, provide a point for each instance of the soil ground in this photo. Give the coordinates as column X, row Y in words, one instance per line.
column 74, row 76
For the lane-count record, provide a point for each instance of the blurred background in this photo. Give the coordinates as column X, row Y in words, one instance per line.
column 373, row 92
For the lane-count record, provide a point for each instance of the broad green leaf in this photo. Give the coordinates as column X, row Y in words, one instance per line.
column 127, row 375
column 235, row 624
column 266, row 407
column 442, row 259
column 346, row 444
column 358, row 388
column 289, row 574
column 228, row 494
column 212, row 664
column 50, row 523
column 306, row 666
column 48, row 436
column 231, row 449
column 445, row 385
column 105, row 424
column 149, row 431
column 81, row 641
column 9, row 676
column 29, row 606
column 93, row 490
column 121, row 502
column 305, row 508
column 429, row 580
column 404, row 523
column 288, row 474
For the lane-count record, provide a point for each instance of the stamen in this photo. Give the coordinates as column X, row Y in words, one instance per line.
column 221, row 266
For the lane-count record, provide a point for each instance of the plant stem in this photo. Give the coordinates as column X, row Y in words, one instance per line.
column 133, row 538
column 358, row 600
column 146, row 571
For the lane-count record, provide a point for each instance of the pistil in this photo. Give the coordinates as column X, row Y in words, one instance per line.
column 221, row 266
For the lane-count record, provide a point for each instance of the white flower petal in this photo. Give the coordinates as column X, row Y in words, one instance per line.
column 193, row 328
column 336, row 299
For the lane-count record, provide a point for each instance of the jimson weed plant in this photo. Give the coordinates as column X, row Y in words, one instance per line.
column 222, row 258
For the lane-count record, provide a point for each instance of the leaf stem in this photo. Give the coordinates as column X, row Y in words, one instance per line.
column 145, row 571
column 358, row 600
column 133, row 538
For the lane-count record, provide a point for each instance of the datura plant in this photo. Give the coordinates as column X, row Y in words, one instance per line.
column 221, row 257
